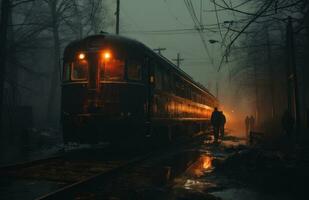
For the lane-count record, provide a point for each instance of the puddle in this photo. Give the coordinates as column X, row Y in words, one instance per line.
column 192, row 178
column 200, row 167
column 198, row 185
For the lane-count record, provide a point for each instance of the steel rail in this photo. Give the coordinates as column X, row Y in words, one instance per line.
column 67, row 191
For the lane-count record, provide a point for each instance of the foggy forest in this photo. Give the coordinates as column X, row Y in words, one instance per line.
column 251, row 55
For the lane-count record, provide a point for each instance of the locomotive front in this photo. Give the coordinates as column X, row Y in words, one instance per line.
column 104, row 90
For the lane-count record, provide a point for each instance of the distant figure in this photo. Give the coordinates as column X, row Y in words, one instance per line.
column 252, row 123
column 247, row 123
column 215, row 122
column 287, row 123
column 222, row 121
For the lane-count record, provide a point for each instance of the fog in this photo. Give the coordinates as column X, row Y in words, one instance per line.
column 168, row 24
column 223, row 45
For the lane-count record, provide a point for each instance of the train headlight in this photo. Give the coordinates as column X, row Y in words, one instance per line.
column 106, row 55
column 81, row 56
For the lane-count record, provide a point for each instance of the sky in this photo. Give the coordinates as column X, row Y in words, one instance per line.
column 151, row 22
column 144, row 20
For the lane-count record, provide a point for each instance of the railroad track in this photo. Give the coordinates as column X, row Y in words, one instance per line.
column 69, row 191
column 62, row 173
column 71, row 173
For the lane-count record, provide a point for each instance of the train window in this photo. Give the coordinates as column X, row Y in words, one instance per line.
column 158, row 78
column 80, row 70
column 134, row 71
column 67, row 71
column 166, row 83
column 112, row 69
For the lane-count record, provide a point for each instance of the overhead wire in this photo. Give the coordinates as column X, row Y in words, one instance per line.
column 198, row 26
column 135, row 24
column 172, row 14
column 237, row 6
column 260, row 12
column 167, row 31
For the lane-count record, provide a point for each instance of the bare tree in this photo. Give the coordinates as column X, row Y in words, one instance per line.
column 38, row 29
column 267, row 41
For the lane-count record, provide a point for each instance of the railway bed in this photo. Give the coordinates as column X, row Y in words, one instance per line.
column 86, row 174
column 135, row 180
column 34, row 179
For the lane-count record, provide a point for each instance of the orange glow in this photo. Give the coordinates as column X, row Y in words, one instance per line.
column 189, row 109
column 81, row 56
column 202, row 165
column 107, row 55
column 206, row 162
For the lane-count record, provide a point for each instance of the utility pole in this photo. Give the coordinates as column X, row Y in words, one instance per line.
column 117, row 17
column 159, row 50
column 271, row 75
column 178, row 59
column 5, row 13
column 292, row 73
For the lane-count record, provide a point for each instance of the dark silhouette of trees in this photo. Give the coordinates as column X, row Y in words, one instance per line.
column 261, row 39
column 33, row 35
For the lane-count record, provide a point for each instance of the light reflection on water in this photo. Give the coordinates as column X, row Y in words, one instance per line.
column 201, row 166
column 191, row 178
column 198, row 185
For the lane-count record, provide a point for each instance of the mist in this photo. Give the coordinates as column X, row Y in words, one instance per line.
column 237, row 49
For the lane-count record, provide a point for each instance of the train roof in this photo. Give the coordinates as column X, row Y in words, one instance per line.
column 95, row 41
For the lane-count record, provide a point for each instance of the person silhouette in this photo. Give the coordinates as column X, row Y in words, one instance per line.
column 215, row 117
column 222, row 121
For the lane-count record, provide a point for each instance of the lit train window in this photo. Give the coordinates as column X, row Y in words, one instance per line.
column 80, row 70
column 112, row 70
column 67, row 71
column 134, row 71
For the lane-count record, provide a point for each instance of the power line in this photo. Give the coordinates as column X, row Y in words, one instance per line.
column 198, row 26
column 260, row 12
column 138, row 26
column 171, row 31
column 217, row 18
column 171, row 13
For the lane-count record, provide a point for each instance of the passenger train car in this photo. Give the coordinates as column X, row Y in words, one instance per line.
column 117, row 89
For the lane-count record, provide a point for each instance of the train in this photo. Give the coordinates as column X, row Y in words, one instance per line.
column 117, row 89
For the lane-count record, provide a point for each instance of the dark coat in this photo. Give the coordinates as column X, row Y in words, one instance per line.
column 222, row 119
column 215, row 118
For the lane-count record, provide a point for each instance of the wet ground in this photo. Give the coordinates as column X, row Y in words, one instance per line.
column 200, row 170
column 36, row 144
column 233, row 170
